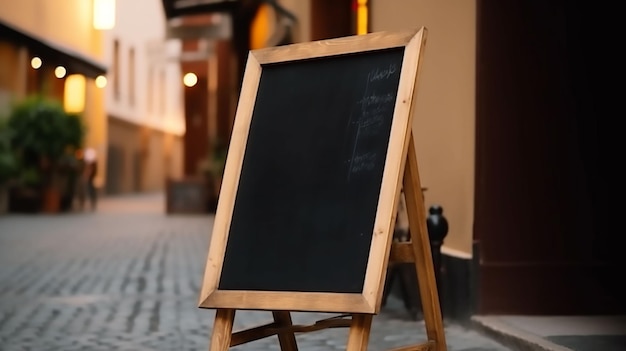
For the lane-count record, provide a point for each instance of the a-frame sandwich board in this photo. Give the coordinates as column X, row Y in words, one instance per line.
column 321, row 146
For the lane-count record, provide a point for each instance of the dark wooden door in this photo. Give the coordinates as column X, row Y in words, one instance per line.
column 540, row 198
column 196, row 122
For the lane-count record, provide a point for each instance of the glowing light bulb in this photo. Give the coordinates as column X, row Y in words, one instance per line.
column 101, row 81
column 35, row 62
column 60, row 72
column 190, row 79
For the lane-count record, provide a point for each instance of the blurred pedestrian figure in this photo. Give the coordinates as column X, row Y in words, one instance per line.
column 87, row 187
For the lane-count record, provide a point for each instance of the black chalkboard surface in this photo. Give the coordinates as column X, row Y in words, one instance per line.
column 307, row 197
column 313, row 174
column 187, row 195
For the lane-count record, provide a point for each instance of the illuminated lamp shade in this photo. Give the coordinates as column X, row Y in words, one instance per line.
column 190, row 79
column 260, row 27
column 60, row 72
column 74, row 98
column 362, row 14
column 103, row 14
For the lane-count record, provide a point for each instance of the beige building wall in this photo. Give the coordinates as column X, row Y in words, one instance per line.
column 150, row 82
column 142, row 158
column 302, row 9
column 444, row 120
column 67, row 22
column 146, row 111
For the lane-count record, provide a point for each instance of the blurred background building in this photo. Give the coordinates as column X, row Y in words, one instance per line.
column 144, row 100
column 506, row 124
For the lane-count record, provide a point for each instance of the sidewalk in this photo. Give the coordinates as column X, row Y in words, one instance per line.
column 556, row 333
column 127, row 277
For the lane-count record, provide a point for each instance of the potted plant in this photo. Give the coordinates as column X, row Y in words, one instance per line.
column 44, row 136
column 212, row 169
column 8, row 165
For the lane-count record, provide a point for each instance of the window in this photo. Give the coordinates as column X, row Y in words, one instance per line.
column 116, row 69
column 150, row 90
column 131, row 76
column 162, row 94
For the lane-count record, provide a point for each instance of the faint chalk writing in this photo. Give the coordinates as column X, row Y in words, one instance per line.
column 374, row 100
column 373, row 109
column 364, row 162
column 384, row 73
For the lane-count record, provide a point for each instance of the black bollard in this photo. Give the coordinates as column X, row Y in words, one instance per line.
column 437, row 226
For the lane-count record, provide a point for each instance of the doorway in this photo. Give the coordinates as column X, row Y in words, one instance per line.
column 540, row 200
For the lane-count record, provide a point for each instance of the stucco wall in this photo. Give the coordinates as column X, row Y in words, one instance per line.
column 141, row 158
column 146, row 124
column 158, row 88
column 444, row 120
column 302, row 10
column 67, row 22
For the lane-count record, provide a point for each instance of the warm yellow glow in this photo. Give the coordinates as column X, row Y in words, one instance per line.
column 260, row 27
column 35, row 62
column 361, row 17
column 190, row 79
column 101, row 81
column 60, row 72
column 103, row 14
column 74, row 95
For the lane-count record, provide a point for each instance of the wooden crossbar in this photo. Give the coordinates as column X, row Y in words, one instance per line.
column 270, row 329
column 402, row 252
column 428, row 346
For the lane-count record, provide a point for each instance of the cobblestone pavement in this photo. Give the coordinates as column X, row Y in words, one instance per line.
column 127, row 277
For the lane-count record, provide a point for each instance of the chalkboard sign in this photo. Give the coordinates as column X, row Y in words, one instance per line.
column 186, row 196
column 307, row 206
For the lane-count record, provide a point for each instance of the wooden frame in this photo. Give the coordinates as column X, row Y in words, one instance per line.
column 369, row 300
column 400, row 169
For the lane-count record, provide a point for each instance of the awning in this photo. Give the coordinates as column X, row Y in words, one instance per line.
column 178, row 8
column 73, row 61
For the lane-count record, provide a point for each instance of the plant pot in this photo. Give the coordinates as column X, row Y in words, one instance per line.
column 4, row 199
column 24, row 200
column 51, row 201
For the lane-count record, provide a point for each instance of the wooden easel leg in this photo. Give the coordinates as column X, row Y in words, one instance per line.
column 421, row 249
column 222, row 329
column 359, row 332
column 287, row 340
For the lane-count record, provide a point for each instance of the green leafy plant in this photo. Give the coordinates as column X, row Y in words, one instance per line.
column 8, row 161
column 42, row 134
column 213, row 164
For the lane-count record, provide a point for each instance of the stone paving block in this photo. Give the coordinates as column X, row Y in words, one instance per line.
column 120, row 279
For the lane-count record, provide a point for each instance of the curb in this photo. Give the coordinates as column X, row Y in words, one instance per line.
column 510, row 336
